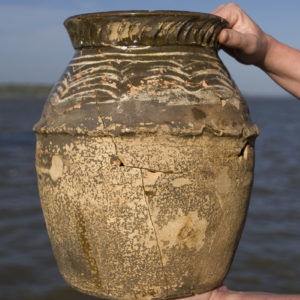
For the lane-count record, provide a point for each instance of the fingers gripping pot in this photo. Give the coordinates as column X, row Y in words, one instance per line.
column 145, row 157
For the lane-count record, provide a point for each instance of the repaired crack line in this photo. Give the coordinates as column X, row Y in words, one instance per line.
column 150, row 216
column 148, row 208
column 139, row 168
column 153, row 170
column 115, row 145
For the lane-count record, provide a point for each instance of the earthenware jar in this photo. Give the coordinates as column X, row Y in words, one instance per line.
column 145, row 157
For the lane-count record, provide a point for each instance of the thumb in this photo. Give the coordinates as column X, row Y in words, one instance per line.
column 224, row 36
column 231, row 39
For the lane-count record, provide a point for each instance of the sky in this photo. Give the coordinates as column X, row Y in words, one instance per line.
column 35, row 47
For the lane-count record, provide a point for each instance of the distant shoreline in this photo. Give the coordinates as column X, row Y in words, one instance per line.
column 12, row 91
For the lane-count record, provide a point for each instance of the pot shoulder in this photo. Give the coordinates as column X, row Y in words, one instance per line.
column 117, row 91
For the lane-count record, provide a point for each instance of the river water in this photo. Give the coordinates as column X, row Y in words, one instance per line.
column 268, row 257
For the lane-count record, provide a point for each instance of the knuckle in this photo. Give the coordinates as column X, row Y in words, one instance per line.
column 233, row 6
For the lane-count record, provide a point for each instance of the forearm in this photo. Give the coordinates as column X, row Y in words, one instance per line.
column 282, row 64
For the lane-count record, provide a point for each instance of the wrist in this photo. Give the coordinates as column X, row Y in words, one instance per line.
column 266, row 61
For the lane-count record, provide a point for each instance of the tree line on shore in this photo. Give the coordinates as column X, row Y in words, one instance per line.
column 26, row 91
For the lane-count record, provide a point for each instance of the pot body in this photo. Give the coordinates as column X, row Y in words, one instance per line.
column 145, row 157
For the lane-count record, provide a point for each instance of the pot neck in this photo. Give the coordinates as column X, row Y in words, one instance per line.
column 144, row 28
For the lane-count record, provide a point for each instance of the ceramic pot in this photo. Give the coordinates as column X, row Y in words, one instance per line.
column 144, row 156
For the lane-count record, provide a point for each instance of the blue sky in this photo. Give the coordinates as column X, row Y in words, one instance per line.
column 35, row 47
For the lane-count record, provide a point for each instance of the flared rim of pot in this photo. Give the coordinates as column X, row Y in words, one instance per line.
column 144, row 28
column 141, row 13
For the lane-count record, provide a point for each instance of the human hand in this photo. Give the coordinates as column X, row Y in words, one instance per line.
column 223, row 293
column 245, row 41
column 220, row 293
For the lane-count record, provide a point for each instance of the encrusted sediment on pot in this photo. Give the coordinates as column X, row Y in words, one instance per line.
column 149, row 213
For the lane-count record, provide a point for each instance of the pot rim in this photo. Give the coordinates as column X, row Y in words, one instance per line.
column 128, row 13
column 144, row 28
